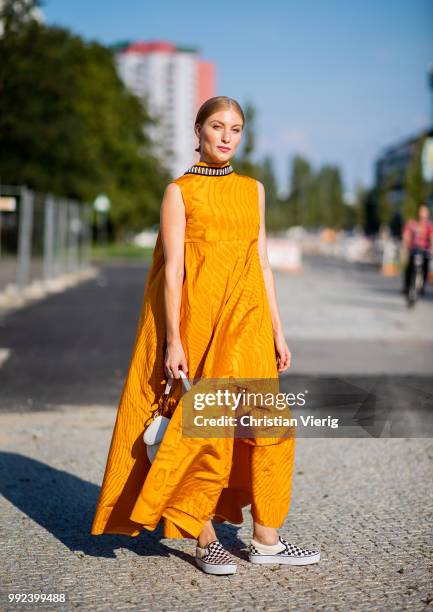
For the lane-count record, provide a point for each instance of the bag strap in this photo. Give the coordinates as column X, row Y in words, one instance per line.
column 185, row 381
column 164, row 398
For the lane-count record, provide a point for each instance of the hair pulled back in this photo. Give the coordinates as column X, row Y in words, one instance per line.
column 215, row 104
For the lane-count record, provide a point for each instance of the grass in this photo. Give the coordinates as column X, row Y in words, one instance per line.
column 122, row 251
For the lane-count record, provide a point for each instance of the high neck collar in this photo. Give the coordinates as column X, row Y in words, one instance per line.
column 210, row 164
column 210, row 169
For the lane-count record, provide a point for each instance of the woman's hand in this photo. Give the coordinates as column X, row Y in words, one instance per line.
column 283, row 354
column 175, row 359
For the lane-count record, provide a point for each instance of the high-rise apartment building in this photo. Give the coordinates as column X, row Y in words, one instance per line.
column 173, row 81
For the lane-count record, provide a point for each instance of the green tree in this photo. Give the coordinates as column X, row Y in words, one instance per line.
column 336, row 203
column 267, row 176
column 416, row 190
column 314, row 202
column 300, row 188
column 329, row 197
column 243, row 161
column 14, row 14
column 385, row 203
column 70, row 127
column 359, row 208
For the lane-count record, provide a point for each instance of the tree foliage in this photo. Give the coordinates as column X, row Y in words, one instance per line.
column 244, row 162
column 316, row 196
column 70, row 127
column 267, row 177
column 416, row 190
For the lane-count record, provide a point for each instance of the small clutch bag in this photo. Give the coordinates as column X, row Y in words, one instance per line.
column 154, row 433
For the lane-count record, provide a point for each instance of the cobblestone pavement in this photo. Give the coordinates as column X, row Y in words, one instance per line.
column 367, row 503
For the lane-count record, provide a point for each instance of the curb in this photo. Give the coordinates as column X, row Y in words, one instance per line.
column 13, row 298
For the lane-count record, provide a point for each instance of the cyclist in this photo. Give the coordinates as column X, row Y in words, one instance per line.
column 418, row 237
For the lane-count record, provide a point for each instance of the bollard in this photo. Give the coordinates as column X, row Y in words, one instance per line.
column 389, row 264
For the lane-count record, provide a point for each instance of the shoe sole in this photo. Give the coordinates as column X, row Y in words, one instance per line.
column 283, row 560
column 211, row 568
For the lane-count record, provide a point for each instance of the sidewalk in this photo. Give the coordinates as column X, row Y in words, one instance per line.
column 372, row 524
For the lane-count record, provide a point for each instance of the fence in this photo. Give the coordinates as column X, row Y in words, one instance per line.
column 41, row 236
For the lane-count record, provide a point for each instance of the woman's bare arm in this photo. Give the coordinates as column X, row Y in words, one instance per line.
column 280, row 343
column 172, row 227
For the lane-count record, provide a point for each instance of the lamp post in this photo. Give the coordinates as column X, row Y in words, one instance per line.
column 102, row 205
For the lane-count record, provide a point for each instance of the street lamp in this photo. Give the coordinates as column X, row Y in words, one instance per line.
column 102, row 205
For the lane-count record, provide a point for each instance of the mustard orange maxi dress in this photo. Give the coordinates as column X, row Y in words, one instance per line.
column 226, row 330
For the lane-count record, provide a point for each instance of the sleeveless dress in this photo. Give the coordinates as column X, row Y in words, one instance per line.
column 226, row 331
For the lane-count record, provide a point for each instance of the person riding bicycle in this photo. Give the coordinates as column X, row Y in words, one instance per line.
column 418, row 237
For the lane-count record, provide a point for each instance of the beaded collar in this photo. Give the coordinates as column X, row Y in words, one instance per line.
column 208, row 170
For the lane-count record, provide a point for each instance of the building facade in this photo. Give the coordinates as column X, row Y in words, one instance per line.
column 390, row 174
column 172, row 81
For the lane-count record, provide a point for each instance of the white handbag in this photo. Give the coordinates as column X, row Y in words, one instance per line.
column 154, row 433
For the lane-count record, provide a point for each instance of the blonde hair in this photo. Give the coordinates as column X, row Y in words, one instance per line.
column 212, row 105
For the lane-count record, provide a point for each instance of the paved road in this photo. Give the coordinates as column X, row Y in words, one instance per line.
column 74, row 347
column 367, row 503
column 339, row 320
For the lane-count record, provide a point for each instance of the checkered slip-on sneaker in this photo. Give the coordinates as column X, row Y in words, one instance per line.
column 214, row 559
column 289, row 555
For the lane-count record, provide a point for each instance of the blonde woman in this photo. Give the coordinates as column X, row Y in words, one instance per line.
column 210, row 310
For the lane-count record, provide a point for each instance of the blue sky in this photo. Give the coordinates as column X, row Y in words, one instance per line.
column 334, row 81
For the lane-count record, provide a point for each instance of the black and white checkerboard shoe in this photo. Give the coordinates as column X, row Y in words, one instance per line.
column 289, row 555
column 214, row 559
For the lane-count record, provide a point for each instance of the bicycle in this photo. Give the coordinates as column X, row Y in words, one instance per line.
column 417, row 273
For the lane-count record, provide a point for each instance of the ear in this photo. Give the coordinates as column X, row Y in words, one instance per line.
column 197, row 129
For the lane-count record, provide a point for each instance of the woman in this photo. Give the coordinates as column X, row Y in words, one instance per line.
column 210, row 309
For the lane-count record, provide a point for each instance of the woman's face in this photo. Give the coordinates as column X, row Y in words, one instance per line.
column 423, row 213
column 220, row 135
